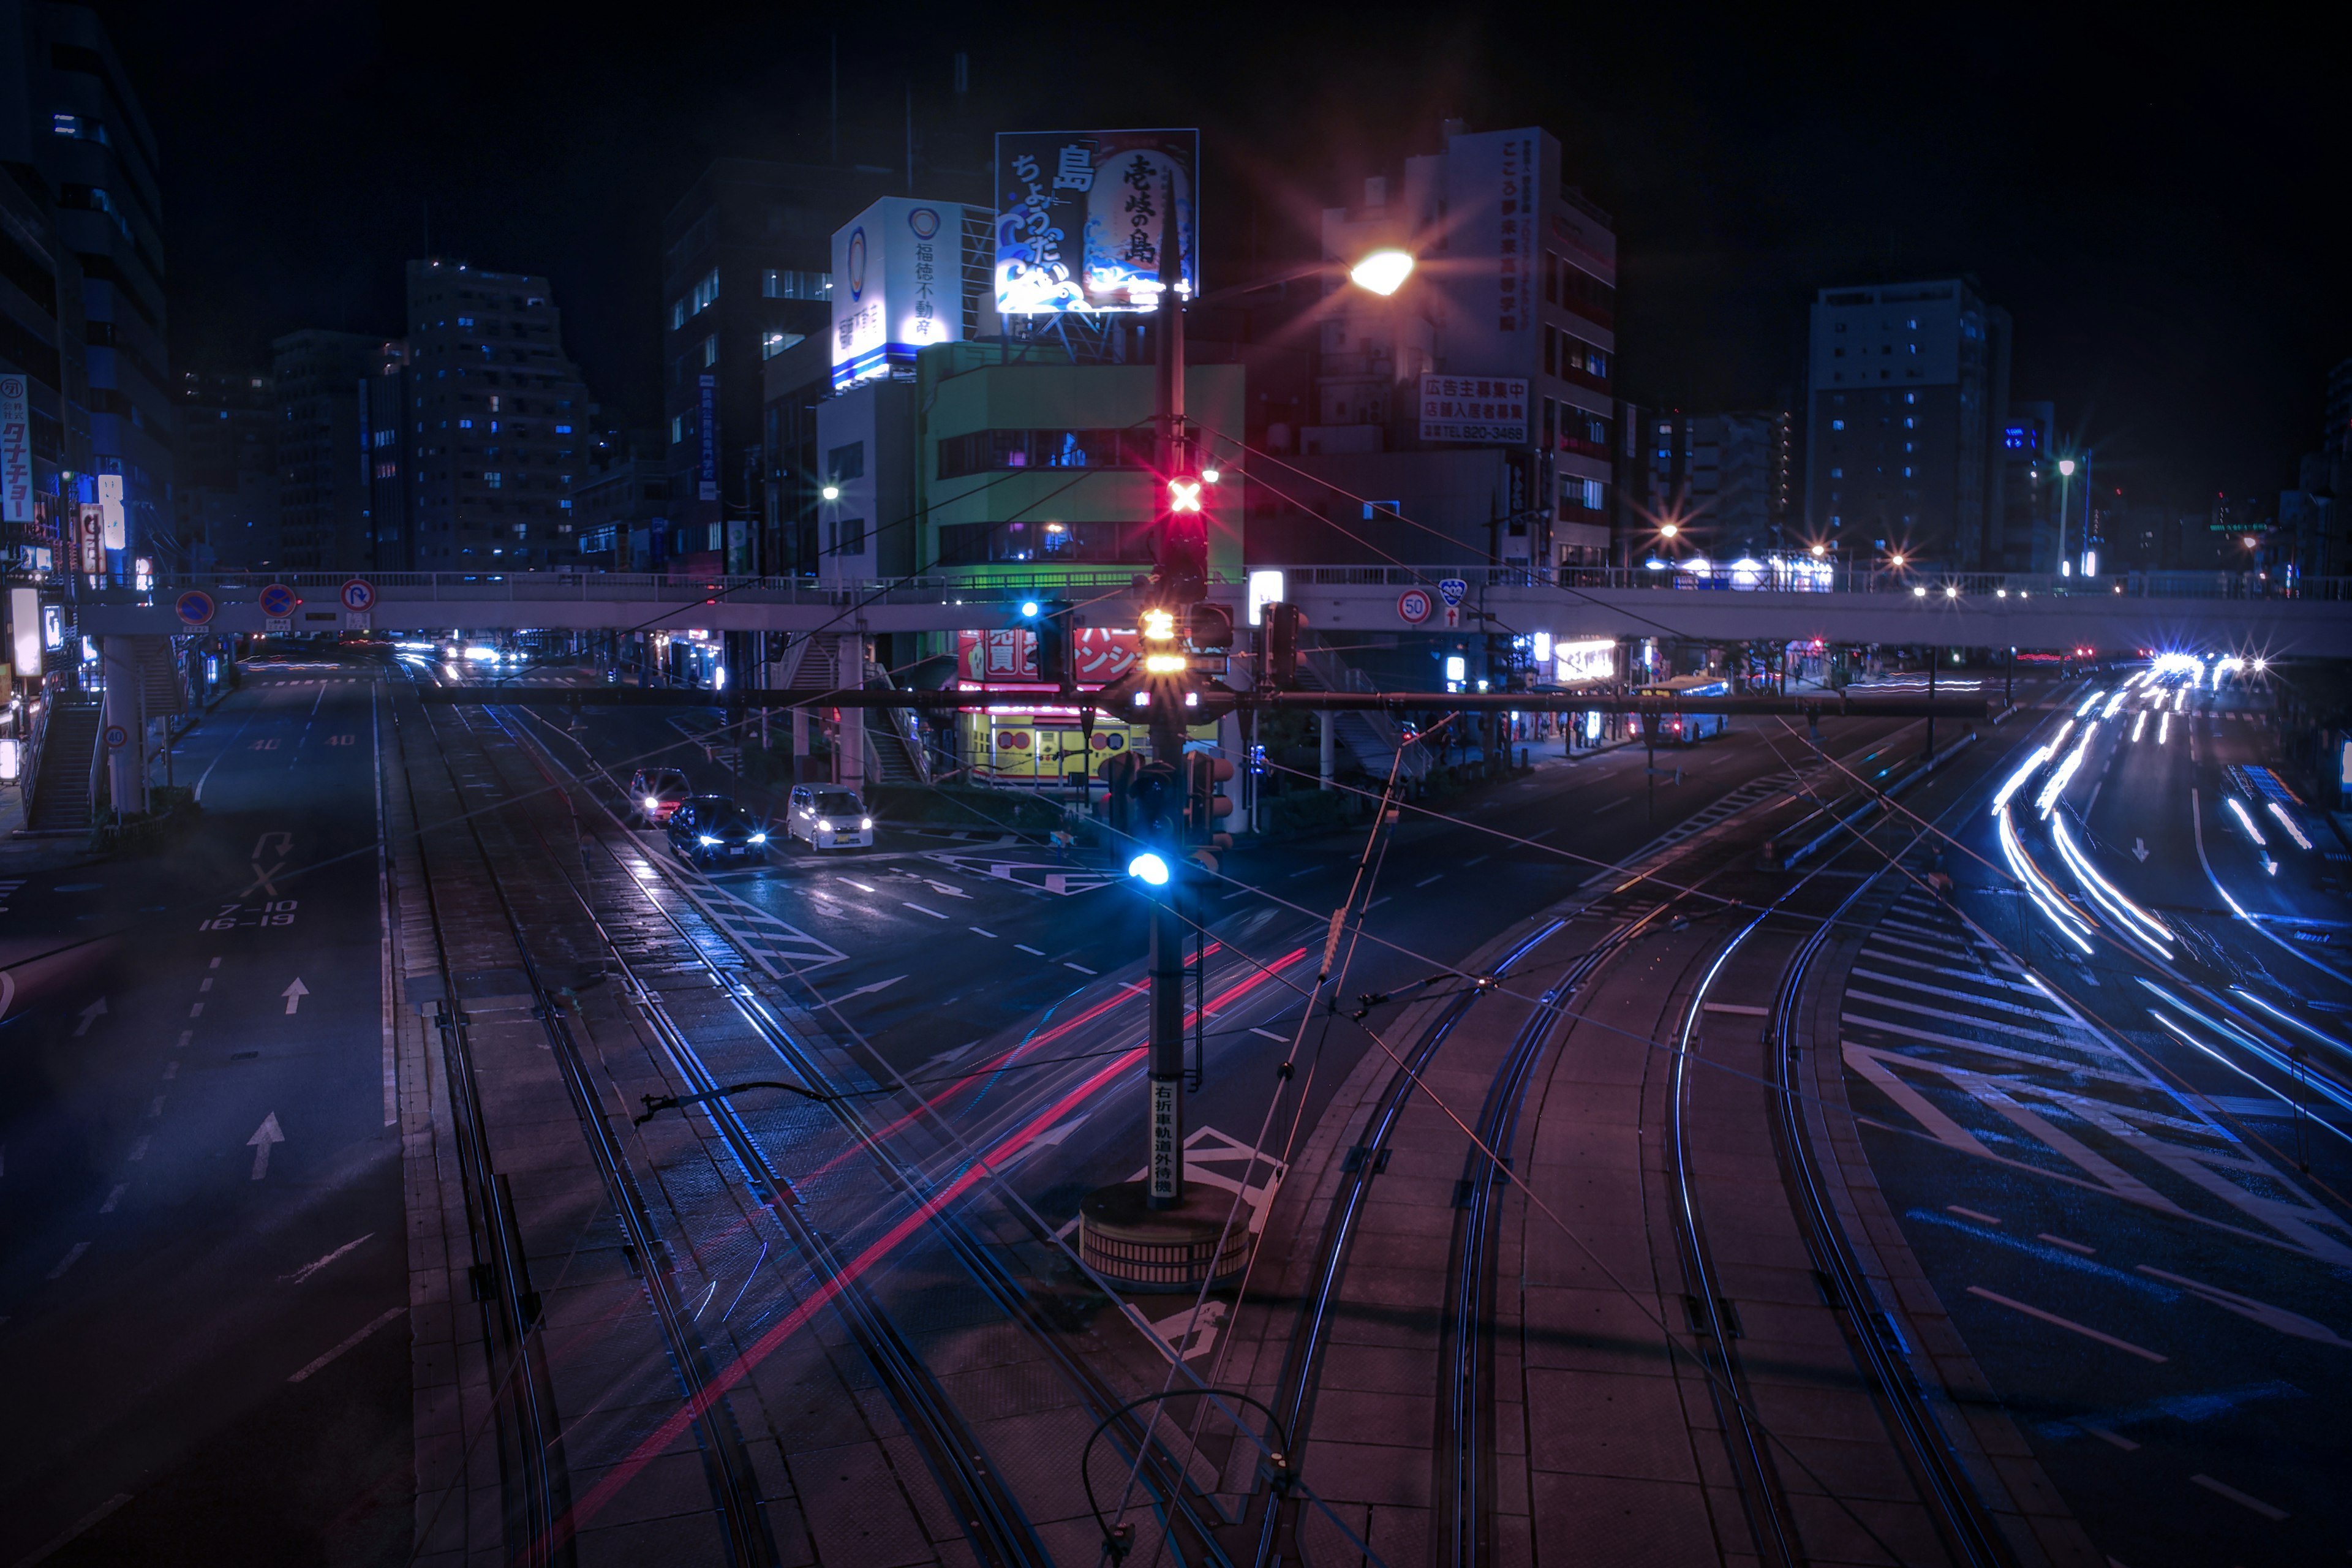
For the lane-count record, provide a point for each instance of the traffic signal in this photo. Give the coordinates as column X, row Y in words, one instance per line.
column 1205, row 805
column 1049, row 622
column 1208, row 628
column 1181, row 569
column 1282, row 626
column 1156, row 805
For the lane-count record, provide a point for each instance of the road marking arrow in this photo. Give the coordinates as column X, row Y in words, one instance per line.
column 2139, row 847
column 294, row 994
column 90, row 1014
column 285, row 844
column 868, row 990
column 264, row 1137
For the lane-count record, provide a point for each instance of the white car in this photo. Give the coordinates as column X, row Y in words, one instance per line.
column 828, row 818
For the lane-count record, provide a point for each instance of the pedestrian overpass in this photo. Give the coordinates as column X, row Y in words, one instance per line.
column 2243, row 612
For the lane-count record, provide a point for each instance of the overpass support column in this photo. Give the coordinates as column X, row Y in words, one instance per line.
column 126, row 773
column 1327, row 758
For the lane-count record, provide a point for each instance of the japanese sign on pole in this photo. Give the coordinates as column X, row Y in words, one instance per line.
column 15, row 451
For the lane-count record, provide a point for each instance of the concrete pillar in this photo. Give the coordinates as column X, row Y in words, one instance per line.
column 1327, row 750
column 800, row 745
column 849, row 738
column 126, row 773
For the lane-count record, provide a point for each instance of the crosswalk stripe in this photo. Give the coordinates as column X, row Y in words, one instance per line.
column 1997, row 1003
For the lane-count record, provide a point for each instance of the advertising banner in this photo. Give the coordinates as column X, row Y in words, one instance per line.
column 1474, row 408
column 1496, row 242
column 15, row 451
column 113, row 532
column 1098, row 654
column 705, row 433
column 1082, row 219
column 898, row 271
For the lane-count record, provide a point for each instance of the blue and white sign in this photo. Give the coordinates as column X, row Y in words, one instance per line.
column 899, row 285
column 278, row 600
column 359, row 595
column 1451, row 590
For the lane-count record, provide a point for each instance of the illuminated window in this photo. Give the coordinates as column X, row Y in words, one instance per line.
column 465, row 424
column 788, row 284
column 495, row 481
column 710, row 350
column 676, row 314
column 1837, row 424
column 705, row 293
column 773, row 343
column 676, row 428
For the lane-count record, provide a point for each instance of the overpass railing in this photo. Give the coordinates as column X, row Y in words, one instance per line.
column 319, row 588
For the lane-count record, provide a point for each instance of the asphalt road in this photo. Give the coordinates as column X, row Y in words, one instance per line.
column 177, row 1314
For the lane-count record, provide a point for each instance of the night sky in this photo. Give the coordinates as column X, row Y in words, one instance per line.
column 2159, row 205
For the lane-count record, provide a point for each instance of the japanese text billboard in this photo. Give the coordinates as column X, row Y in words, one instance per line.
column 1098, row 654
column 1474, row 408
column 1083, row 218
column 898, row 285
column 15, row 451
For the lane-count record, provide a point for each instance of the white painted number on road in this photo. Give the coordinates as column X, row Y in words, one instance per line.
column 276, row 912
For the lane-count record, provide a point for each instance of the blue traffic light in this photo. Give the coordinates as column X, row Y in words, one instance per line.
column 1148, row 868
column 1029, row 608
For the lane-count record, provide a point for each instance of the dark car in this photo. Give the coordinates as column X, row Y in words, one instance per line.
column 655, row 792
column 709, row 829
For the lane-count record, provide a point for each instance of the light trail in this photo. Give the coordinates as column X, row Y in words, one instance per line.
column 2181, row 700
column 2134, row 919
column 2047, row 801
column 2293, row 1023
column 2114, row 702
column 2163, row 729
column 2010, row 785
column 2328, row 1088
column 2088, row 704
column 2139, row 726
column 2237, row 810
column 2038, row 887
column 2288, row 821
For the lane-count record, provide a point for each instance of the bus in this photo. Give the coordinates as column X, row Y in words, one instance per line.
column 1687, row 729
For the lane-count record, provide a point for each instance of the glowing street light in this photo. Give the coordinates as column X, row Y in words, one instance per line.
column 831, row 492
column 1383, row 272
column 1669, row 530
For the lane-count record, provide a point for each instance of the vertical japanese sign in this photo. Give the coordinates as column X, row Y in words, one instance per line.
column 1084, row 216
column 113, row 530
column 1494, row 181
column 1167, row 1136
column 706, row 430
column 15, row 451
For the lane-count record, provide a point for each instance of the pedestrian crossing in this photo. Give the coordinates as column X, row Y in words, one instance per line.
column 1945, row 1034
column 777, row 946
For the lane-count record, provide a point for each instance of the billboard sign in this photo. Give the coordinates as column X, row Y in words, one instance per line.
column 898, row 285
column 1474, row 408
column 706, row 435
column 1098, row 654
column 1494, row 181
column 113, row 532
column 1083, row 218
column 15, row 451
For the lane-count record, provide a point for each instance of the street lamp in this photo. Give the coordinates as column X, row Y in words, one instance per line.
column 1383, row 272
column 2065, row 481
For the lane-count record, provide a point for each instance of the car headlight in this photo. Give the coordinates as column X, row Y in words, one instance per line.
column 823, row 825
column 758, row 838
column 653, row 803
column 863, row 822
column 705, row 838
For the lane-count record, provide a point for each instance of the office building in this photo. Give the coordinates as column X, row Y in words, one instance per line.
column 227, row 489
column 495, row 427
column 746, row 275
column 41, row 340
column 322, row 509
column 79, row 154
column 620, row 503
column 2027, row 537
column 1907, row 398
column 1502, row 341
column 1721, row 480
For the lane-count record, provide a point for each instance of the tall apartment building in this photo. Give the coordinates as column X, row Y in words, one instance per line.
column 1503, row 342
column 1721, row 479
column 2315, row 522
column 86, row 222
column 490, row 422
column 2026, row 538
column 42, row 341
column 746, row 275
column 1907, row 398
column 228, row 490
column 322, row 506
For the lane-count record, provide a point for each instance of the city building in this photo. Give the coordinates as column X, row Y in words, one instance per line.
column 42, row 341
column 1719, row 481
column 384, row 459
column 2315, row 533
column 2027, row 537
column 322, row 508
column 495, row 428
column 1502, row 343
column 620, row 502
column 82, row 161
column 1908, row 401
column 227, row 489
column 746, row 275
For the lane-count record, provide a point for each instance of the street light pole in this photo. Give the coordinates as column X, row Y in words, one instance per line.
column 1165, row 1063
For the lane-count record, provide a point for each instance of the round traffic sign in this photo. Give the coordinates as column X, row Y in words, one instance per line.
column 1413, row 607
column 117, row 737
column 278, row 600
column 359, row 595
column 195, row 607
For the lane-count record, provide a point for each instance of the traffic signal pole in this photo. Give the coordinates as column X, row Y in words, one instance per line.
column 1165, row 1063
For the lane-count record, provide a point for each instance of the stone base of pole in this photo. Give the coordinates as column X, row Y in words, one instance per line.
column 1124, row 1239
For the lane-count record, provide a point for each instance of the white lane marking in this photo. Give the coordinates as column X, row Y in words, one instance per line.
column 2103, row 1435
column 154, row 1108
column 171, row 1070
column 310, row 1268
column 921, row 911
column 265, row 1138
column 869, row 990
column 1611, row 807
column 2069, row 1245
column 50, row 1547
column 2274, row 1514
column 1024, row 947
column 1427, row 881
column 857, row 884
column 1304, row 872
column 1270, row 1034
column 1376, row 903
column 2067, row 1323
column 206, row 985
column 69, row 1259
column 1742, row 1008
column 1474, row 860
column 2261, row 1312
column 989, row 934
column 185, row 1035
column 139, row 1150
column 1971, row 1213
column 114, row 1199
column 1237, row 893
column 377, row 1324
column 214, row 964
column 197, row 1010
column 1079, row 967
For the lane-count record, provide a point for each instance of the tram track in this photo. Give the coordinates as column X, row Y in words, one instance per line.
column 988, row 1504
